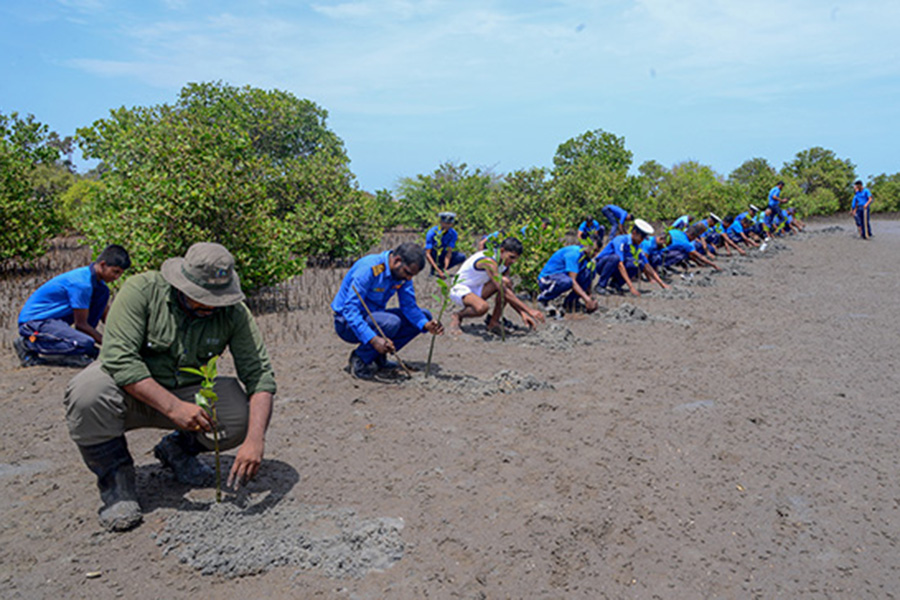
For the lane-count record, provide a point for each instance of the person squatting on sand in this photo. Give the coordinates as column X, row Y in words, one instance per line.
column 180, row 316
column 58, row 323
column 569, row 269
column 476, row 282
column 622, row 260
column 440, row 246
column 360, row 308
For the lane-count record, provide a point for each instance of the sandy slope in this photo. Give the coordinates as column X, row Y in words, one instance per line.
column 741, row 442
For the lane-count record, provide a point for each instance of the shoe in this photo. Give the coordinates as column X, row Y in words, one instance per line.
column 78, row 361
column 551, row 312
column 359, row 369
column 27, row 358
column 387, row 365
column 601, row 291
column 112, row 464
column 178, row 452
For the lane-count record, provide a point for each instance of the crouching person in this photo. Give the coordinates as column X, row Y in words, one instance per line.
column 181, row 316
column 361, row 316
column 569, row 270
column 476, row 282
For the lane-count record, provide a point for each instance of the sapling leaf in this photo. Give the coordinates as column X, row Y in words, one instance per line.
column 200, row 401
column 192, row 371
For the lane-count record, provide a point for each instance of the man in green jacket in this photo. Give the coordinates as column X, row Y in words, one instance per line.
column 161, row 321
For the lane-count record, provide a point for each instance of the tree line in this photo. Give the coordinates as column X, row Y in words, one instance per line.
column 260, row 172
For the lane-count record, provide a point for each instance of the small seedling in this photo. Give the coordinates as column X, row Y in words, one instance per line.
column 443, row 297
column 206, row 399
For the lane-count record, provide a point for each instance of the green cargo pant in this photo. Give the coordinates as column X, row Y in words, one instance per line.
column 97, row 410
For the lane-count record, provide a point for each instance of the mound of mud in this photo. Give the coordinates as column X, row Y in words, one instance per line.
column 735, row 269
column 553, row 337
column 700, row 280
column 232, row 541
column 628, row 313
column 469, row 387
column 830, row 229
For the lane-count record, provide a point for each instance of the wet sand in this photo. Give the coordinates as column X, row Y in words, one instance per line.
column 738, row 442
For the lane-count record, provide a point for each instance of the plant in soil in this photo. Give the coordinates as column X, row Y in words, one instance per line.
column 443, row 298
column 206, row 399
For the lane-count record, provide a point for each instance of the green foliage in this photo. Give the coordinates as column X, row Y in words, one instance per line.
column 589, row 172
column 540, row 242
column 886, row 191
column 451, row 187
column 821, row 202
column 257, row 171
column 77, row 204
column 688, row 188
column 818, row 168
column 29, row 219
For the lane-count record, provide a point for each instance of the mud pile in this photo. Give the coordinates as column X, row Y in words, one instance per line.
column 232, row 541
column 469, row 387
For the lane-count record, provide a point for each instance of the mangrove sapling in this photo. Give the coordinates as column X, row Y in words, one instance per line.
column 442, row 297
column 206, row 399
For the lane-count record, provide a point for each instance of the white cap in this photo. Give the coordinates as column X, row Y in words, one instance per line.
column 715, row 217
column 754, row 208
column 643, row 226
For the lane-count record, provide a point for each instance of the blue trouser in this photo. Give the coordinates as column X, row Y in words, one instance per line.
column 709, row 249
column 392, row 322
column 862, row 221
column 56, row 337
column 456, row 257
column 674, row 256
column 613, row 221
column 609, row 275
column 554, row 286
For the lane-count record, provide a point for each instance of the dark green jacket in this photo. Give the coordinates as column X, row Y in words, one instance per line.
column 147, row 334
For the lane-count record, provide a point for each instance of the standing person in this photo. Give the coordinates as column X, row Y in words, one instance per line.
column 180, row 316
column 440, row 246
column 773, row 208
column 617, row 217
column 622, row 260
column 59, row 320
column 375, row 279
column 862, row 200
column 476, row 282
column 569, row 269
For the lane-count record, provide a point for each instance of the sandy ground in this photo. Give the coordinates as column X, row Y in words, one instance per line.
column 730, row 440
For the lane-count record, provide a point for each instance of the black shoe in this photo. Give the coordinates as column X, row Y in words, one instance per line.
column 359, row 369
column 27, row 358
column 112, row 464
column 601, row 291
column 178, row 452
column 79, row 361
column 382, row 362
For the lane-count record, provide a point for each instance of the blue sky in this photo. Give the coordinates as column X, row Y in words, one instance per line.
column 493, row 83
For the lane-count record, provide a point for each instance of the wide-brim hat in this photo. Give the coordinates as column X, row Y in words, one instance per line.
column 643, row 226
column 206, row 275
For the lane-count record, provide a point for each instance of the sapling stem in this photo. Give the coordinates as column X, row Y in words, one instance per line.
column 206, row 399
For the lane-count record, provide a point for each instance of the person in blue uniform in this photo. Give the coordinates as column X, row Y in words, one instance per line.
column 375, row 279
column 440, row 246
column 681, row 222
column 773, row 208
column 734, row 229
column 621, row 261
column 617, row 217
column 569, row 269
column 590, row 227
column 59, row 320
column 681, row 248
column 862, row 200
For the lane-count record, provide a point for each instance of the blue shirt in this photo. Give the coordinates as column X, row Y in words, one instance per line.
column 680, row 241
column 649, row 247
column 565, row 260
column 623, row 247
column 587, row 229
column 860, row 198
column 371, row 276
column 744, row 215
column 735, row 229
column 620, row 213
column 439, row 241
column 681, row 222
column 59, row 297
column 774, row 197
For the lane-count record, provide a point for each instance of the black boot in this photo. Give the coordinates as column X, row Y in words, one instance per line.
column 112, row 464
column 178, row 451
